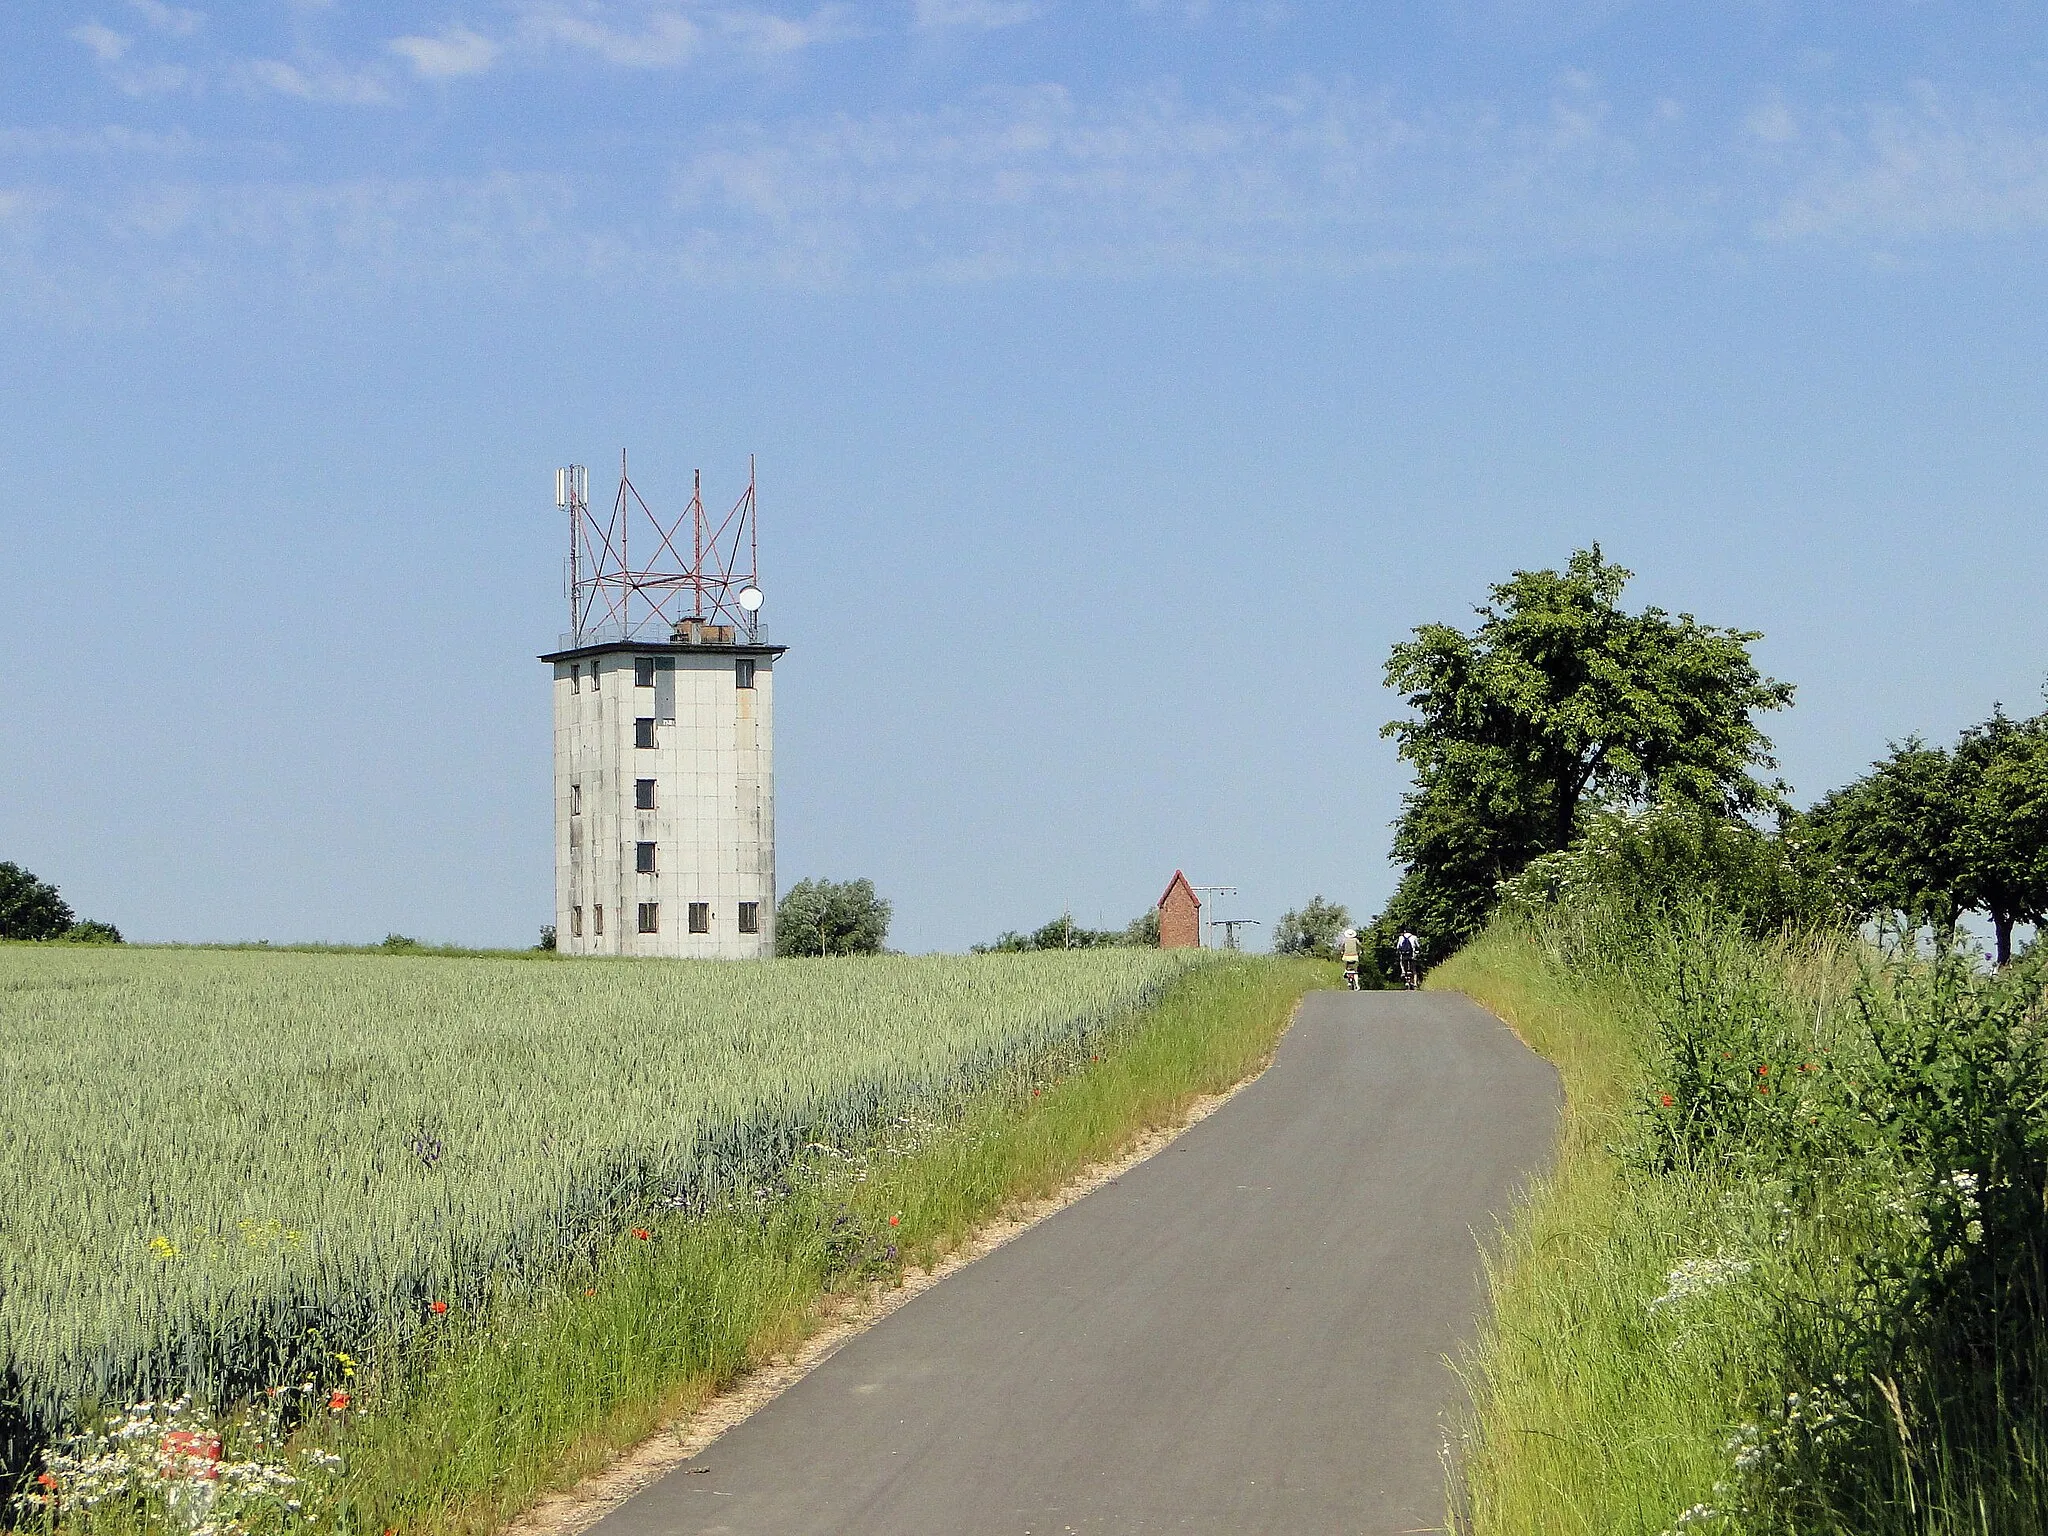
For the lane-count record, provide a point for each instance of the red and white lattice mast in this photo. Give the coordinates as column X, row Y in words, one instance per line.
column 610, row 598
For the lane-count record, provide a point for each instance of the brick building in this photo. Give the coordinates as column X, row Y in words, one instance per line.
column 1180, row 915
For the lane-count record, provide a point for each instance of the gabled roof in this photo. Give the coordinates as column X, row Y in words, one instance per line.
column 1180, row 880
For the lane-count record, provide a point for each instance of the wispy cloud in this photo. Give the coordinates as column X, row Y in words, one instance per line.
column 661, row 39
column 1038, row 180
column 315, row 80
column 766, row 32
column 112, row 139
column 985, row 14
column 663, row 36
column 100, row 40
column 449, row 54
column 1321, row 176
column 1918, row 168
column 171, row 20
column 133, row 77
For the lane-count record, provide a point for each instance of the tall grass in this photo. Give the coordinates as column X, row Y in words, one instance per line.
column 1787, row 1274
column 223, row 1168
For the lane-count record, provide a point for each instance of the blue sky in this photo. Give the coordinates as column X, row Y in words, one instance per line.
column 1125, row 379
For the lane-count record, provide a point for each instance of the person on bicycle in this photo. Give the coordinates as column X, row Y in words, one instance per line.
column 1348, row 944
column 1408, row 954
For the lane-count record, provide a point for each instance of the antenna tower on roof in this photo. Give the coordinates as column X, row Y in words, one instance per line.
column 610, row 598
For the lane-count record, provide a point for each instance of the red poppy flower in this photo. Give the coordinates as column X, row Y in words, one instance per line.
column 642, row 1233
column 439, row 1307
column 338, row 1401
column 1763, row 1071
column 590, row 1290
column 44, row 1480
column 894, row 1219
column 1667, row 1101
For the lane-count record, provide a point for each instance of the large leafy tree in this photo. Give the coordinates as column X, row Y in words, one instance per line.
column 30, row 908
column 1558, row 703
column 1931, row 832
column 832, row 917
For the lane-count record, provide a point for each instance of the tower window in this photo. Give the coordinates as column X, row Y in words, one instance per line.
column 643, row 671
column 750, row 917
column 597, row 917
column 596, row 683
column 643, row 731
column 700, row 917
column 575, row 799
column 576, row 922
column 743, row 673
column 575, row 679
column 643, row 794
column 643, row 858
column 650, row 917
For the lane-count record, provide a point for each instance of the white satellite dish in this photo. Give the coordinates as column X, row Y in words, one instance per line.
column 750, row 599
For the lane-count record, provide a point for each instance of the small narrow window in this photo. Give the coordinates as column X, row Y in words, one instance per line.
column 700, row 917
column 575, row 679
column 643, row 731
column 643, row 794
column 743, row 673
column 597, row 916
column 643, row 671
column 643, row 858
column 575, row 799
column 750, row 917
column 576, row 922
column 650, row 917
column 596, row 679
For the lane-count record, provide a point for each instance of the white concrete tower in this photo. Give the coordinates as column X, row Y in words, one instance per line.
column 664, row 739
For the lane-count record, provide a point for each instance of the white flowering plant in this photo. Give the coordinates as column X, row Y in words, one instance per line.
column 173, row 1466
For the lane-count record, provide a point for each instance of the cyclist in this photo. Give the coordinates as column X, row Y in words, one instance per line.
column 1408, row 954
column 1349, row 945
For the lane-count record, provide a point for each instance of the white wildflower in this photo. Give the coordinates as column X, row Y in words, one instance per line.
column 1696, row 1277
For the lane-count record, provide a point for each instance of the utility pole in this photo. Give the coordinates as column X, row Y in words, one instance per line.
column 1213, row 890
column 1230, row 925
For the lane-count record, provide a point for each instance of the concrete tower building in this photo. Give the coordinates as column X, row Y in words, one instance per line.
column 664, row 714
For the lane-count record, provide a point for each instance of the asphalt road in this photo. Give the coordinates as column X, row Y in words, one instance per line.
column 1245, row 1334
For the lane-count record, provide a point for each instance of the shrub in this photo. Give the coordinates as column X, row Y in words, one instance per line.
column 91, row 933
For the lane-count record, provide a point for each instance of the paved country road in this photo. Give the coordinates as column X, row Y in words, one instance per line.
column 1244, row 1334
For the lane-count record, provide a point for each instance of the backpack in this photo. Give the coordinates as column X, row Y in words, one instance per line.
column 1405, row 946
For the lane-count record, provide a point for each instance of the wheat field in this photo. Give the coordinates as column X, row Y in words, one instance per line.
column 222, row 1166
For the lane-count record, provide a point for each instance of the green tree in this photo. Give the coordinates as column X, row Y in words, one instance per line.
column 1931, row 833
column 2003, row 767
column 1143, row 932
column 30, row 908
column 1559, row 703
column 832, row 917
column 1311, row 931
column 1896, row 833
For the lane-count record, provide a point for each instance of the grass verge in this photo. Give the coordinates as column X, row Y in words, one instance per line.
column 1790, row 1275
column 1585, row 1419
column 538, row 1389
